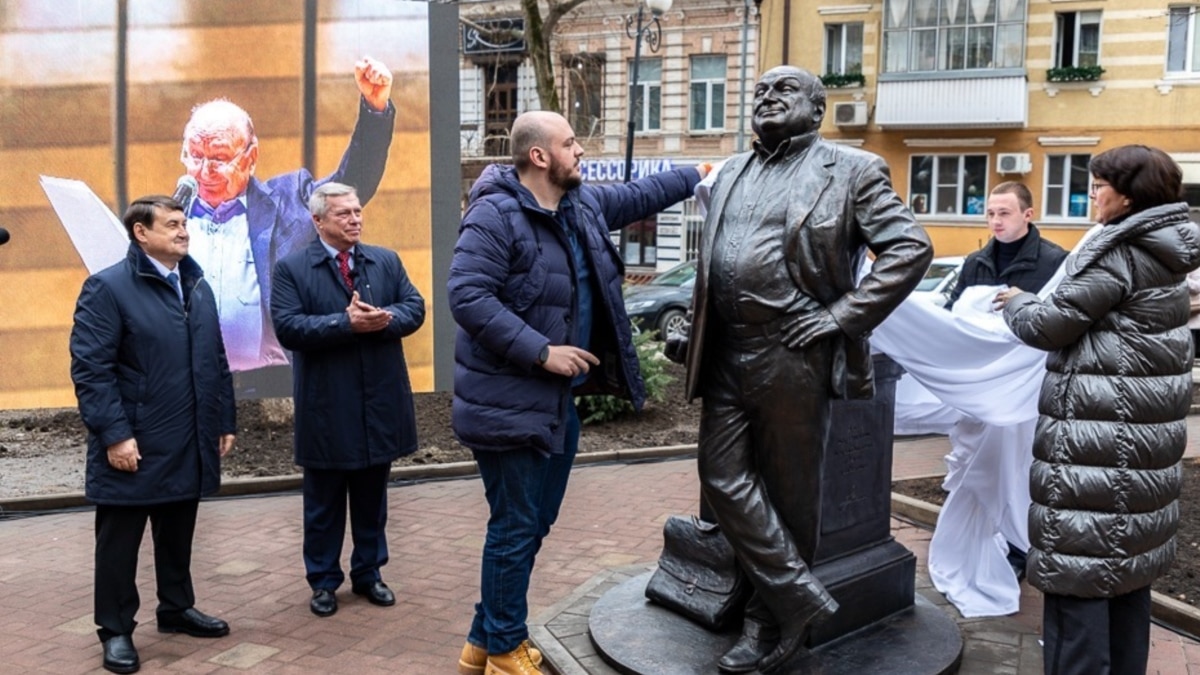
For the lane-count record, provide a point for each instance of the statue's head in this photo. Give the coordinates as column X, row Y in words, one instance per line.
column 788, row 101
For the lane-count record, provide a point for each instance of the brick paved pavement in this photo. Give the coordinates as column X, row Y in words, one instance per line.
column 247, row 570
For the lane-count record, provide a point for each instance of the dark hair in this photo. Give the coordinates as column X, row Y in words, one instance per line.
column 142, row 211
column 1147, row 176
column 1012, row 187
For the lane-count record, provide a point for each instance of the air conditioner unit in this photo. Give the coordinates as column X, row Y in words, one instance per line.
column 850, row 114
column 1013, row 162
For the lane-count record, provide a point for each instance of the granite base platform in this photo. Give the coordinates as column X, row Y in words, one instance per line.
column 637, row 637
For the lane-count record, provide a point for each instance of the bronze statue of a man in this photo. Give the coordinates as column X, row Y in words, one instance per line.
column 779, row 328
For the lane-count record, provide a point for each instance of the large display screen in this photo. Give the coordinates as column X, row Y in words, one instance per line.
column 256, row 100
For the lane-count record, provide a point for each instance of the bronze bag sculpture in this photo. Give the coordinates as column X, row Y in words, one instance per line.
column 697, row 574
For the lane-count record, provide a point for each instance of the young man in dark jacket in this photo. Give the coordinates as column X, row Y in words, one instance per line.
column 535, row 286
column 1016, row 255
column 342, row 307
column 156, row 396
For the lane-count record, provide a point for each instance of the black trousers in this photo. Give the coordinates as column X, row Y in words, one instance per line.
column 325, row 496
column 119, row 531
column 1096, row 636
column 763, row 430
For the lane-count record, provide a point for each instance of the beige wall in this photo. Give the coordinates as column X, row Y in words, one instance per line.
column 1132, row 103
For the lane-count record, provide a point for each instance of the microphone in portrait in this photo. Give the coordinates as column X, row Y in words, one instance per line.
column 3, row 236
column 185, row 192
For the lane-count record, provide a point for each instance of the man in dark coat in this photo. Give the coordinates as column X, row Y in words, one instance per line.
column 535, row 286
column 779, row 327
column 1016, row 255
column 242, row 225
column 156, row 396
column 342, row 307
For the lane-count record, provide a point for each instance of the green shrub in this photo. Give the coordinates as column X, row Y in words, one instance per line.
column 605, row 408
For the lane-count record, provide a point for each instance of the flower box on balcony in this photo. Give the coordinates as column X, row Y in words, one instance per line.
column 1074, row 74
column 843, row 80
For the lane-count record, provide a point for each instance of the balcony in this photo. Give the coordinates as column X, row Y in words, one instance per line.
column 964, row 100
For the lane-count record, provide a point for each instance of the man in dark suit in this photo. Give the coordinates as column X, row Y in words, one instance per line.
column 156, row 396
column 342, row 307
column 241, row 225
column 779, row 329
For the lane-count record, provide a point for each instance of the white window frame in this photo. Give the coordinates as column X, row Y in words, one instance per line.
column 953, row 38
column 650, row 90
column 1078, row 20
column 705, row 90
column 1185, row 16
column 934, row 207
column 838, row 38
column 1056, row 197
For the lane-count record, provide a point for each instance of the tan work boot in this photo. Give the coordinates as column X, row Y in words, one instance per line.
column 517, row 662
column 473, row 660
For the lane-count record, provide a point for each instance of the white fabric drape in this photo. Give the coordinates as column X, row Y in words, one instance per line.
column 1010, row 8
column 979, row 9
column 897, row 11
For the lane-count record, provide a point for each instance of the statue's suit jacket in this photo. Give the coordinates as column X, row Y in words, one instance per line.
column 841, row 204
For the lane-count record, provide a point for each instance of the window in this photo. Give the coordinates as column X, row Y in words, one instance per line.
column 500, row 109
column 843, row 48
column 1183, row 41
column 584, row 88
column 948, row 184
column 708, row 93
column 640, row 242
column 647, row 114
column 1067, row 180
column 1078, row 40
column 933, row 35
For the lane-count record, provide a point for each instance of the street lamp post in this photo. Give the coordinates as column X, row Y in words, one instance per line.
column 652, row 33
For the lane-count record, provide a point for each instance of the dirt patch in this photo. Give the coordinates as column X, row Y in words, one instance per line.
column 42, row 451
column 1181, row 582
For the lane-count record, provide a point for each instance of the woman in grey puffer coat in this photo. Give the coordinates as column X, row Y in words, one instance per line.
column 1106, row 472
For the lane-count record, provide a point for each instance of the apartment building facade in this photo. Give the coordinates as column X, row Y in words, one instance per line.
column 693, row 91
column 960, row 95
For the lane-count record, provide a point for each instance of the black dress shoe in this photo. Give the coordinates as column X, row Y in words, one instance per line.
column 120, row 655
column 786, row 659
column 323, row 603
column 193, row 622
column 377, row 592
column 756, row 642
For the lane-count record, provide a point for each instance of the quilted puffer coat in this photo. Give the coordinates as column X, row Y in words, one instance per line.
column 1106, row 472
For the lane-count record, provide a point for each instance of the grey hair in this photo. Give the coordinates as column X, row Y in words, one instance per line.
column 318, row 202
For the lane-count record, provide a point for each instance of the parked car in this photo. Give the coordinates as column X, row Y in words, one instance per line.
column 940, row 279
column 661, row 305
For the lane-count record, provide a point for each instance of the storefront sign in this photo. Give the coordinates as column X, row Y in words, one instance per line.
column 613, row 170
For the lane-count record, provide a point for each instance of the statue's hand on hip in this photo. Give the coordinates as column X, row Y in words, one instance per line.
column 813, row 323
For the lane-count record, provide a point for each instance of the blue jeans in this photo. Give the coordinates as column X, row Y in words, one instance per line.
column 524, row 492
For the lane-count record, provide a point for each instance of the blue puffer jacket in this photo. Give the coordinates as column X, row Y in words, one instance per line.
column 148, row 368
column 512, row 292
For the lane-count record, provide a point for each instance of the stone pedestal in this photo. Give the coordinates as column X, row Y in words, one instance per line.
column 870, row 575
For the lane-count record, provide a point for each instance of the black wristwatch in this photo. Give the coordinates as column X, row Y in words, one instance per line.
column 544, row 355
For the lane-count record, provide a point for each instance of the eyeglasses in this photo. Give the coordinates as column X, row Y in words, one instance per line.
column 196, row 162
column 1096, row 185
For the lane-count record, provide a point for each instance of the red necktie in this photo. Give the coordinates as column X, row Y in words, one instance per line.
column 343, row 260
